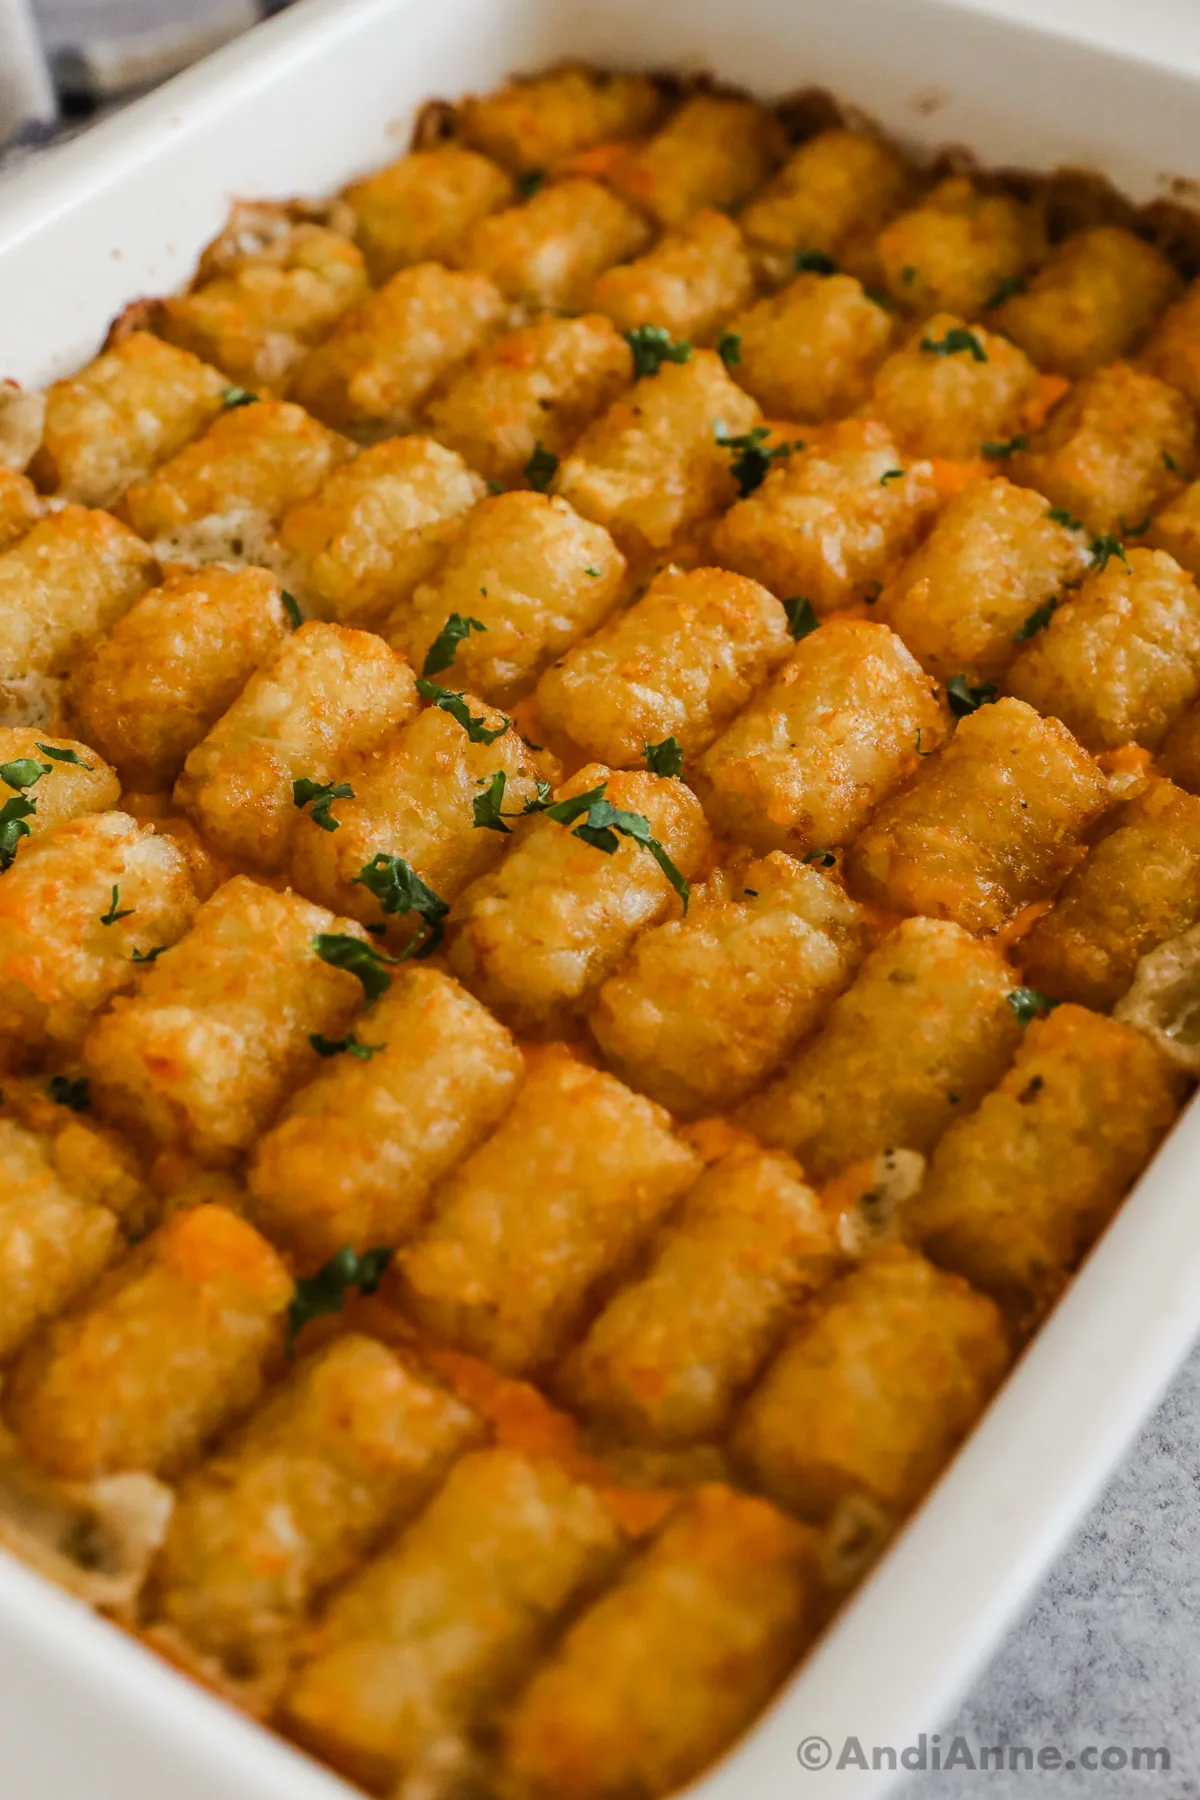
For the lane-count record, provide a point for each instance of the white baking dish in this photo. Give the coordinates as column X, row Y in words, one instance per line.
column 301, row 105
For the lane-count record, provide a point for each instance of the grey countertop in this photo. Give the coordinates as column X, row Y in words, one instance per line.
column 1108, row 1654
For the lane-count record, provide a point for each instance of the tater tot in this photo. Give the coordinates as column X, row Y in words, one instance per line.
column 148, row 692
column 651, row 465
column 716, row 150
column 94, row 1164
column 1018, row 1190
column 535, row 936
column 832, row 195
column 327, row 695
column 993, row 558
column 416, row 209
column 884, row 1376
column 1109, row 452
column 549, row 251
column 986, row 826
column 534, row 574
column 810, row 351
column 1173, row 352
column 381, row 364
column 377, row 527
column 957, row 247
column 536, row 121
column 532, row 389
column 1180, row 754
column 20, row 507
column 1121, row 659
column 708, row 1005
column 415, row 799
column 664, row 1671
column 525, row 1228
column 1139, row 886
column 352, row 1445
column 688, row 283
column 175, row 1338
column 62, row 585
column 1096, row 298
column 64, row 787
column 259, row 317
column 1176, row 529
column 671, row 1352
column 356, row 1152
column 122, row 415
column 845, row 721
column 74, row 907
column 953, row 403
column 53, row 1243
column 923, row 1033
column 678, row 663
column 451, row 1616
column 201, row 1055
column 830, row 522
column 217, row 499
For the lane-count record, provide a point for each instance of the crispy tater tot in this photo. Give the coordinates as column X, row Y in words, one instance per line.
column 843, row 723
column 20, row 506
column 94, row 1164
column 957, row 247
column 327, row 695
column 74, row 908
column 671, row 1352
column 451, row 1616
column 350, row 1447
column 708, row 1005
column 121, row 416
column 66, row 786
column 533, row 573
column 1180, row 754
column 831, row 196
column 530, row 393
column 993, row 558
column 716, row 150
column 810, row 351
column 1096, row 297
column 1176, row 529
column 53, row 1242
column 923, row 1033
column 201, row 1056
column 148, row 692
column 536, row 935
column 525, row 1228
column 886, row 1372
column 1173, row 352
column 988, row 825
column 956, row 403
column 662, row 1672
column 385, row 358
column 678, row 663
column 689, row 283
column 417, row 208
column 352, row 1160
column 549, row 251
column 1017, row 1191
column 829, row 522
column 176, row 1338
column 62, row 585
column 1109, row 451
column 537, row 120
column 1139, row 886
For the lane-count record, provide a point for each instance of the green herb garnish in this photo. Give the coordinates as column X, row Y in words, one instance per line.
column 880, row 297
column 148, row 956
column 64, row 756
column 72, row 1091
column 113, row 914
column 295, row 617
column 824, row 859
column 325, row 1292
column 322, row 794
column 486, row 806
column 23, row 772
column 665, row 758
column 349, row 1045
column 966, row 699
column 1005, row 447
column 1005, row 288
column 599, row 822
column 800, row 616
column 652, row 346
column 529, row 183
column 13, row 828
column 442, row 651
column 1104, row 549
column 341, row 951
column 1038, row 618
column 729, row 349
column 1061, row 516
column 456, row 706
column 541, row 468
column 921, row 752
column 814, row 262
column 957, row 341
column 891, row 475
column 237, row 396
column 399, row 890
column 1029, row 1004
column 752, row 463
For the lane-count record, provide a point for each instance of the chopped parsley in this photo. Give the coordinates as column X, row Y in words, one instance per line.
column 295, row 617
column 800, row 616
column 891, row 475
column 1060, row 516
column 1005, row 446
column 1038, row 618
column 322, row 794
column 529, row 183
column 729, row 349
column 1142, row 525
column 496, row 487
column 594, row 573
column 966, row 699
column 399, row 889
column 597, row 822
column 752, row 463
column 957, row 341
column 74, row 1091
column 1029, row 1004
column 814, row 262
column 237, row 396
column 349, row 1045
column 908, row 274
column 23, row 772
column 486, row 806
column 652, row 346
column 444, row 648
column 880, row 297
column 541, row 468
column 665, row 758
column 921, row 752
column 456, row 706
column 1104, row 549
column 1168, row 463
column 13, row 828
column 1004, row 290
column 325, row 1292
column 148, row 956
column 824, row 859
column 341, row 951
column 115, row 911
column 64, row 756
